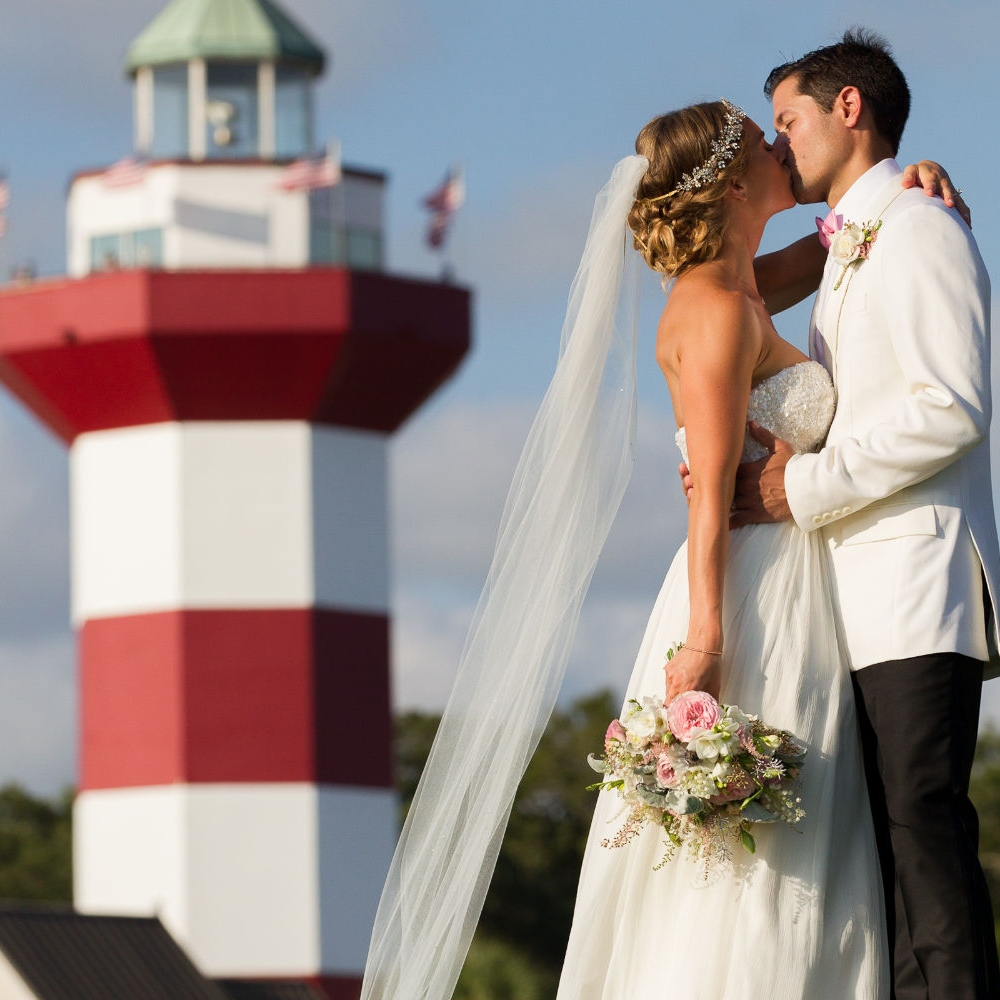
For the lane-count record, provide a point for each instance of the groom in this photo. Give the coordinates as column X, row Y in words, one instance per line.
column 901, row 493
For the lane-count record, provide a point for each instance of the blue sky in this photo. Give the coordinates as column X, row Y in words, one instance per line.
column 537, row 101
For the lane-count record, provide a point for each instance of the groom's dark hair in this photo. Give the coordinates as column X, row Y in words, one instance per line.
column 860, row 59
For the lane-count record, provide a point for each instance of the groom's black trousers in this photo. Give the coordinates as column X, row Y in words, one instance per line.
column 918, row 719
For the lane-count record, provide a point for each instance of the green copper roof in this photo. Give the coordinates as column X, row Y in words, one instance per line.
column 223, row 29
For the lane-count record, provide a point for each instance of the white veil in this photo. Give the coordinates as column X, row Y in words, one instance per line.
column 566, row 491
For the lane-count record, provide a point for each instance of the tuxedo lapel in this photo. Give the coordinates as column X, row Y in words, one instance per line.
column 833, row 303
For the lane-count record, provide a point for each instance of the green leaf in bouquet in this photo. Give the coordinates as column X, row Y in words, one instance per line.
column 598, row 786
column 597, row 763
column 792, row 756
column 651, row 795
column 747, row 841
column 644, row 769
column 683, row 803
column 754, row 811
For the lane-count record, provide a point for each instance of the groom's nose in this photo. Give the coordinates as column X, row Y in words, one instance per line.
column 780, row 146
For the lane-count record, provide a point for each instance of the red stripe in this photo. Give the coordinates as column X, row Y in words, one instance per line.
column 235, row 696
column 136, row 347
column 337, row 987
column 329, row 987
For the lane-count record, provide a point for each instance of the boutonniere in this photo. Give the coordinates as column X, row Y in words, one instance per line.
column 853, row 243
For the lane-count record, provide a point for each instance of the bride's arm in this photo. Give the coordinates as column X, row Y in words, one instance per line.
column 715, row 368
column 786, row 277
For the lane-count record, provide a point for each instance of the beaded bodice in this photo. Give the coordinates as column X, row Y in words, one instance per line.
column 795, row 404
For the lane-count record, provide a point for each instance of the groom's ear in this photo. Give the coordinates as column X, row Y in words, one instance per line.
column 848, row 105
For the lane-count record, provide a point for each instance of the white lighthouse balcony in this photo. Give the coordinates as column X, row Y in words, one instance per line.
column 222, row 214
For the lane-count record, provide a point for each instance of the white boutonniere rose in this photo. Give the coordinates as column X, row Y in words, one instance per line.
column 853, row 243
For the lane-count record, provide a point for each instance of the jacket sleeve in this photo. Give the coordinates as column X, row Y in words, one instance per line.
column 935, row 300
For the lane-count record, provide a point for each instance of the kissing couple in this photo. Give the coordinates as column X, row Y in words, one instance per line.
column 839, row 576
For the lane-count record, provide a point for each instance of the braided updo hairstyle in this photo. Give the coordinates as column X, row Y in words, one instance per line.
column 687, row 228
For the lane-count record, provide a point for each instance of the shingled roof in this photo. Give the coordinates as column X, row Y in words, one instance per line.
column 60, row 954
column 240, row 990
column 64, row 955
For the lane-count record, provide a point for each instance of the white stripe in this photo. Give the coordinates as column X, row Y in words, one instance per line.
column 253, row 880
column 253, row 514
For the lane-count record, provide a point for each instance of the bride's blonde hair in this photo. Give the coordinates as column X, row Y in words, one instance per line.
column 675, row 229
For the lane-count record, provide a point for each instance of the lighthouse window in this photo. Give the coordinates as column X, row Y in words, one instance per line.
column 364, row 249
column 140, row 248
column 231, row 111
column 292, row 113
column 170, row 111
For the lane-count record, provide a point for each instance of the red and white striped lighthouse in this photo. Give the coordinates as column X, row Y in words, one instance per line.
column 226, row 362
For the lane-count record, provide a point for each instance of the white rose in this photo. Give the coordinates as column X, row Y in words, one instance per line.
column 710, row 745
column 645, row 722
column 845, row 246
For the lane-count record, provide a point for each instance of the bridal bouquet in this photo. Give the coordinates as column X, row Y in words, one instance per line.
column 701, row 771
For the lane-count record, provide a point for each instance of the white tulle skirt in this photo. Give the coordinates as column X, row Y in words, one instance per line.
column 802, row 919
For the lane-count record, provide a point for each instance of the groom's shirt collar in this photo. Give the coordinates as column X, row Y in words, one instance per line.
column 862, row 192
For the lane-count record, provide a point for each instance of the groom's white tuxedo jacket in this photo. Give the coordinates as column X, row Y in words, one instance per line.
column 902, row 489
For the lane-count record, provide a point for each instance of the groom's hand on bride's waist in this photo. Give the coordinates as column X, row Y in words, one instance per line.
column 759, row 497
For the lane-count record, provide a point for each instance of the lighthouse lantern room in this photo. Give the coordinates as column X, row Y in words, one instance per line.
column 223, row 104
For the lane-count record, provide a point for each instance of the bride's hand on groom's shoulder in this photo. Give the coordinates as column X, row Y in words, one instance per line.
column 934, row 179
column 759, row 497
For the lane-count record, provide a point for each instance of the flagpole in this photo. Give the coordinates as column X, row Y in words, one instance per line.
column 338, row 197
column 458, row 183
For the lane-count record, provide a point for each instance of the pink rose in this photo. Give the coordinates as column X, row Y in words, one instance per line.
column 690, row 712
column 616, row 731
column 665, row 773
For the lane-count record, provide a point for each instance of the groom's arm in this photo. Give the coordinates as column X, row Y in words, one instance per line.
column 788, row 276
column 935, row 293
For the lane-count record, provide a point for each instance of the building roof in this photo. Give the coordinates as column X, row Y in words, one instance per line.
column 255, row 30
column 64, row 955
column 241, row 990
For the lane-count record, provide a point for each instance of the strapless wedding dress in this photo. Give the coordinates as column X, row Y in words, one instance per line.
column 802, row 919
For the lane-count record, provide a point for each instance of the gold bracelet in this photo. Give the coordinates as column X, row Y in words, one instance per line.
column 707, row 652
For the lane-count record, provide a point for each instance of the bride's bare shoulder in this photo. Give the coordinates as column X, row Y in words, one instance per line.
column 704, row 301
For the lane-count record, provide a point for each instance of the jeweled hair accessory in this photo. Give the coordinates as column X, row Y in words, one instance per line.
column 724, row 147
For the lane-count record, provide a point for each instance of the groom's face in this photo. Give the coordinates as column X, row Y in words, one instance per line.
column 813, row 141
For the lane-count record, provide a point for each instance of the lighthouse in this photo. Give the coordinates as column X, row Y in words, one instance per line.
column 226, row 360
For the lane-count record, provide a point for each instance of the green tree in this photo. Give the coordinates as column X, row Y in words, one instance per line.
column 984, row 790
column 530, row 903
column 496, row 970
column 35, row 845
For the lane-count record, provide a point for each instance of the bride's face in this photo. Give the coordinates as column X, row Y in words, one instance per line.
column 767, row 178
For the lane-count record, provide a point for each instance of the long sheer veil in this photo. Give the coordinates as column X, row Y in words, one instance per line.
column 566, row 491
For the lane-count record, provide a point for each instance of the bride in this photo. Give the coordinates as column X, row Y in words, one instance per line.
column 803, row 916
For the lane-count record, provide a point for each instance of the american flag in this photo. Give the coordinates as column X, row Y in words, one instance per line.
column 125, row 172
column 444, row 201
column 310, row 173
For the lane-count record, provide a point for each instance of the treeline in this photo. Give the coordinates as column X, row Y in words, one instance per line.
column 519, row 946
